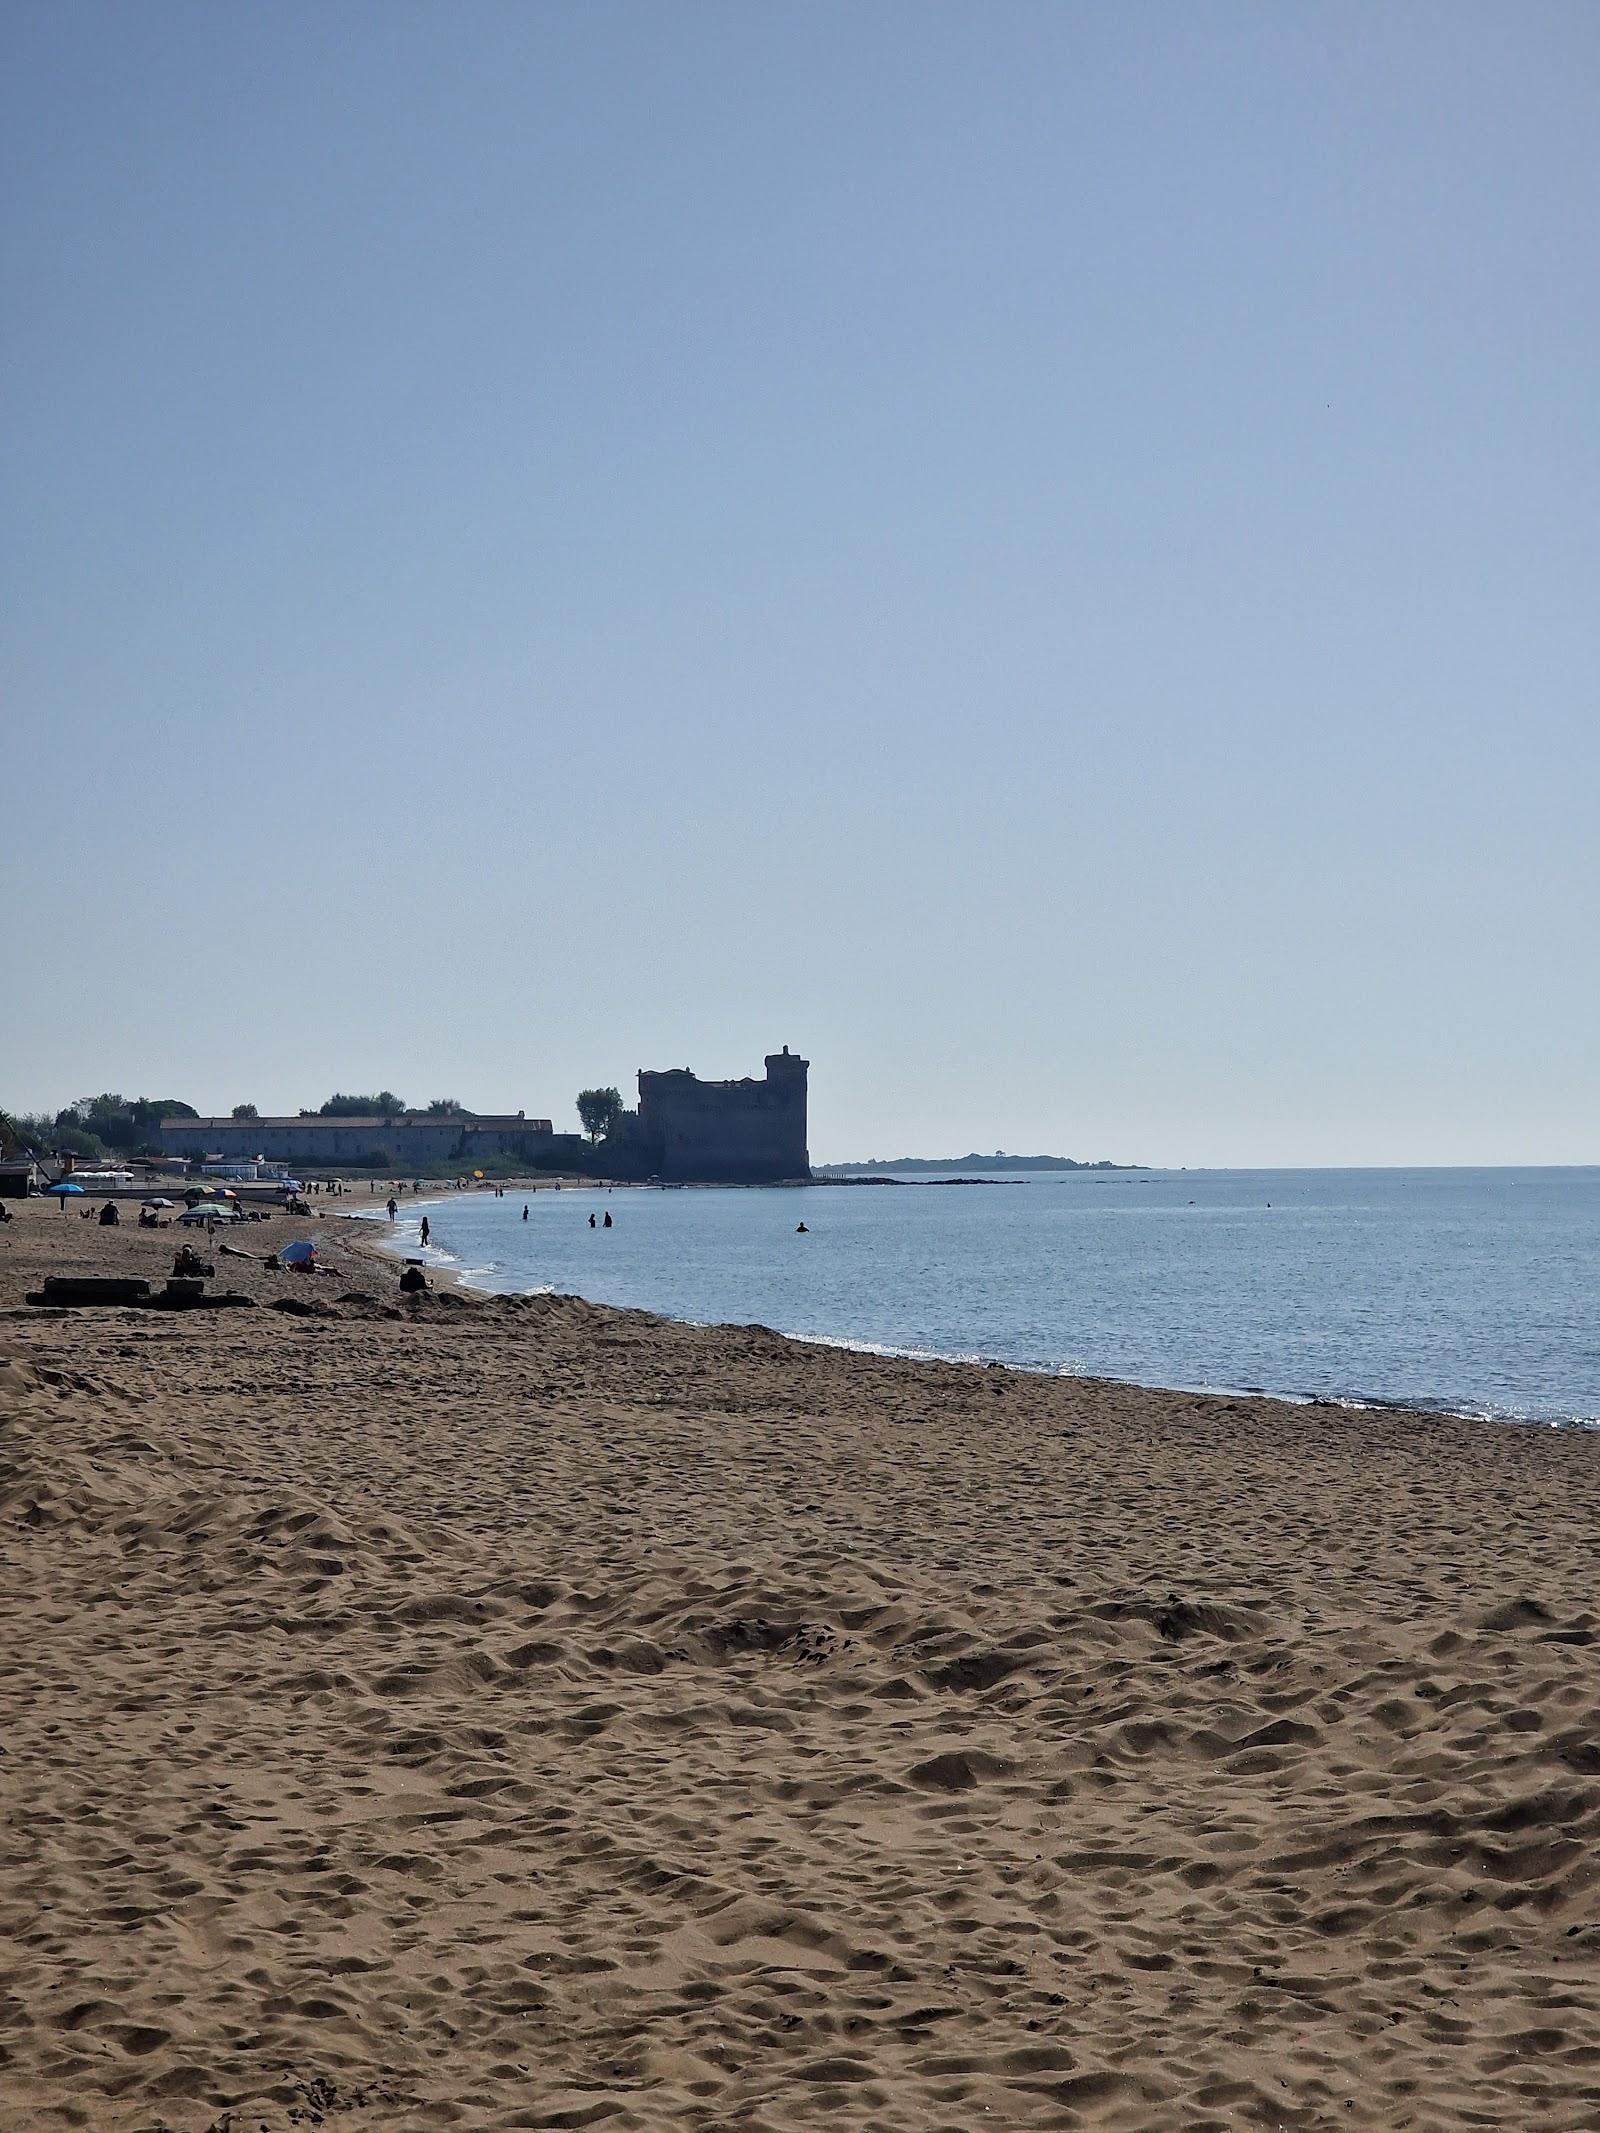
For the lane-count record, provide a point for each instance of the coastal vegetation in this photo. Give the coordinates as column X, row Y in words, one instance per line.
column 599, row 1111
column 384, row 1105
column 96, row 1126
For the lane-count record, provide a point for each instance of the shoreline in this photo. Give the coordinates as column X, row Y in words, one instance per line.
column 458, row 1278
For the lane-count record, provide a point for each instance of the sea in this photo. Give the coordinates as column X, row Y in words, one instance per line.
column 1472, row 1292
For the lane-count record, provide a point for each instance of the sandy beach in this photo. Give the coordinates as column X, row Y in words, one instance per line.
column 514, row 1713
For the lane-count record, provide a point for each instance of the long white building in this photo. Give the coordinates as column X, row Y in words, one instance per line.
column 394, row 1144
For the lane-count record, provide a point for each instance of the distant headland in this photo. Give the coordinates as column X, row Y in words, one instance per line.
column 880, row 1166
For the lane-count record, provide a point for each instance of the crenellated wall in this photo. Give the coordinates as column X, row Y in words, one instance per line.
column 693, row 1132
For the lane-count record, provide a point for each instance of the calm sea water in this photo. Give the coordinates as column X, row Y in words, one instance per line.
column 1476, row 1291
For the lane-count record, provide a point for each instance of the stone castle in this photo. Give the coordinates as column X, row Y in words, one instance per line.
column 692, row 1132
column 685, row 1132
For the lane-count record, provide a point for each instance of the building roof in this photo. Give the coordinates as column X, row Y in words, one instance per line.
column 501, row 1121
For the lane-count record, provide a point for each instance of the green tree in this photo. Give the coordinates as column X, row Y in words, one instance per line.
column 70, row 1131
column 127, row 1123
column 245, row 1111
column 446, row 1107
column 384, row 1105
column 76, row 1140
column 108, row 1118
column 599, row 1109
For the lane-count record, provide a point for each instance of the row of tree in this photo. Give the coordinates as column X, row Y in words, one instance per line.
column 103, row 1125
column 384, row 1105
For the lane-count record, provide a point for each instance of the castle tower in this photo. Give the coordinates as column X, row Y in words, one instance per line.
column 751, row 1132
column 786, row 1079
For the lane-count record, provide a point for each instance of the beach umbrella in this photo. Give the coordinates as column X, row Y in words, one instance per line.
column 65, row 1187
column 297, row 1254
column 156, row 1201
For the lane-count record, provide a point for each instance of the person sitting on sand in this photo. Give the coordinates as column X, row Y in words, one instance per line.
column 413, row 1281
column 109, row 1217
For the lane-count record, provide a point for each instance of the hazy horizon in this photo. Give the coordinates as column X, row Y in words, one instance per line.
column 1044, row 558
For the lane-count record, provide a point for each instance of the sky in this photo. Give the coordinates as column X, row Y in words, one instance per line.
column 1043, row 555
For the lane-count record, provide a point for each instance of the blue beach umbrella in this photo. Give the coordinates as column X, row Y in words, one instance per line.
column 60, row 1191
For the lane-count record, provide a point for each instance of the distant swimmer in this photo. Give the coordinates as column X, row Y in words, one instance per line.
column 800, row 1230
column 524, row 1210
column 425, row 1233
column 606, row 1224
column 591, row 1221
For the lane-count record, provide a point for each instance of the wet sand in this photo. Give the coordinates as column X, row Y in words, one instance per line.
column 513, row 1713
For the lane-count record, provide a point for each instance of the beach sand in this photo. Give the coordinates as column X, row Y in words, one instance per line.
column 522, row 1714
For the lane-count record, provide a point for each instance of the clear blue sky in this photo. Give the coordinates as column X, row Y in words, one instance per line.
column 1043, row 555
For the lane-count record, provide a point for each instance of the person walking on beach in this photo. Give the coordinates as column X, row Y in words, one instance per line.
column 394, row 1207
column 424, row 1231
